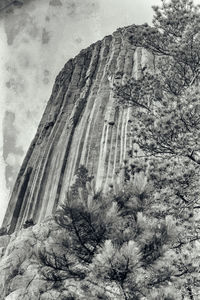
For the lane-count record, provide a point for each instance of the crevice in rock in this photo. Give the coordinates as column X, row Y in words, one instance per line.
column 20, row 200
column 75, row 120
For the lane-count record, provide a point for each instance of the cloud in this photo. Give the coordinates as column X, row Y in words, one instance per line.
column 18, row 23
column 12, row 153
column 4, row 192
column 11, row 159
column 45, row 36
column 55, row 3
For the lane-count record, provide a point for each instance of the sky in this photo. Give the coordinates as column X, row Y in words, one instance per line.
column 37, row 38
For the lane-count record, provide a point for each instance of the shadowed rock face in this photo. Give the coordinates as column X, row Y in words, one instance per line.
column 81, row 126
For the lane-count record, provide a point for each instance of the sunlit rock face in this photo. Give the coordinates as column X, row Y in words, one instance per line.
column 82, row 125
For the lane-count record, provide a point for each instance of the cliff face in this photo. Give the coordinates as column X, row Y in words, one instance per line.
column 81, row 126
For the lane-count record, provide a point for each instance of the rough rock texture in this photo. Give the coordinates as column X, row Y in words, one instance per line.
column 19, row 265
column 21, row 268
column 81, row 126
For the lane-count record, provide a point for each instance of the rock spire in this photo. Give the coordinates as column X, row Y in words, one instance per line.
column 81, row 125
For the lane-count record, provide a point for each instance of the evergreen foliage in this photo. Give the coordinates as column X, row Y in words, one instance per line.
column 123, row 245
column 140, row 241
column 167, row 102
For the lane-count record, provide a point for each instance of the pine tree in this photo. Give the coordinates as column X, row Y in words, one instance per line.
column 140, row 241
column 126, row 241
column 167, row 127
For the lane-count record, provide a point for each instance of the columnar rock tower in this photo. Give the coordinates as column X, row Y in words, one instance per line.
column 81, row 125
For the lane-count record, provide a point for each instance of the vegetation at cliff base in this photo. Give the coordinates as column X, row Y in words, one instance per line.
column 141, row 240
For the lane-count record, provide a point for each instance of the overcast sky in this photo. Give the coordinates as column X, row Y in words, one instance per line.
column 36, row 41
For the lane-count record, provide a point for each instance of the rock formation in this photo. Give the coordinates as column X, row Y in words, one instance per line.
column 81, row 126
column 21, row 269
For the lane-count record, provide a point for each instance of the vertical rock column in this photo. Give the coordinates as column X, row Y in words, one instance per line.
column 82, row 125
